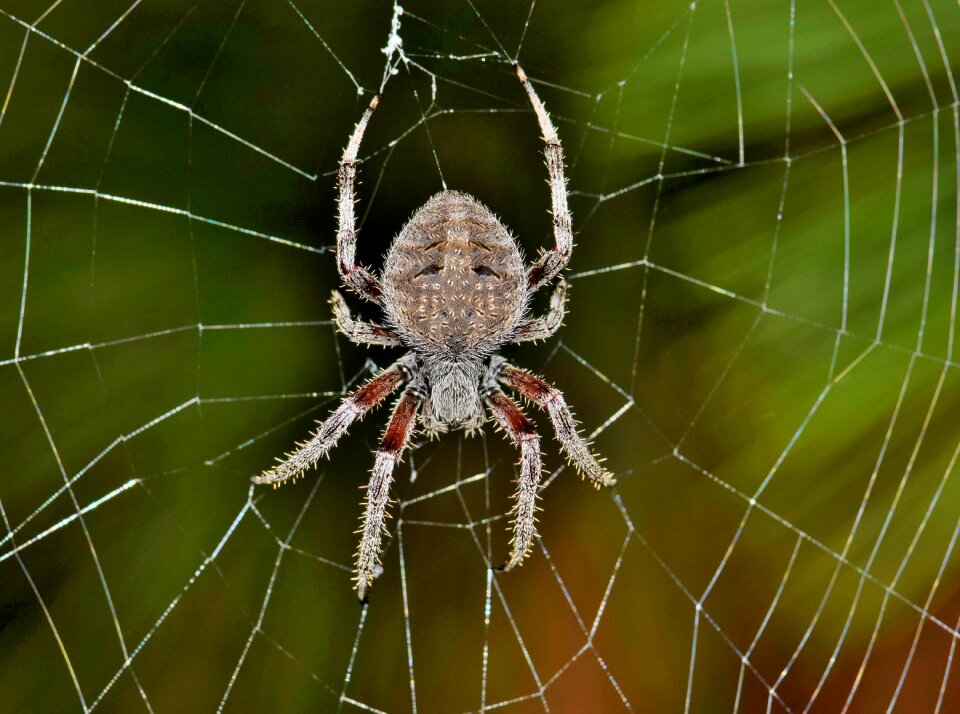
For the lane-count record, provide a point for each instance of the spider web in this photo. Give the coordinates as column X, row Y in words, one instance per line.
column 761, row 341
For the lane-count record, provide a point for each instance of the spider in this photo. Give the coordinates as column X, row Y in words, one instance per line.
column 454, row 289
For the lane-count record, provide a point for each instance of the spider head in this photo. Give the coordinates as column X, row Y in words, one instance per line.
column 454, row 278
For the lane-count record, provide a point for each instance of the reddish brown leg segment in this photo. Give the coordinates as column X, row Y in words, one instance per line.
column 394, row 441
column 521, row 433
column 548, row 397
column 352, row 407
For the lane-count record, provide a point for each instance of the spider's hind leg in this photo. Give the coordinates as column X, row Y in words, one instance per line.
column 549, row 264
column 355, row 276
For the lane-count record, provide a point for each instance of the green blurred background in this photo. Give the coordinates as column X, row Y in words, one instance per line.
column 778, row 396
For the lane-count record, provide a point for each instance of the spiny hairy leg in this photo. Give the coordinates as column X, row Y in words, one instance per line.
column 363, row 333
column 395, row 440
column 352, row 407
column 553, row 261
column 521, row 433
column 358, row 278
column 548, row 397
column 540, row 328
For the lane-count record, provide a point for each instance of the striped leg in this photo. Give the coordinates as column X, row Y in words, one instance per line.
column 353, row 406
column 548, row 397
column 395, row 440
column 522, row 434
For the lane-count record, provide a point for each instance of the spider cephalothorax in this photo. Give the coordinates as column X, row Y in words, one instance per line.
column 454, row 289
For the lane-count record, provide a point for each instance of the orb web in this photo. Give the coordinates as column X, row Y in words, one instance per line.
column 761, row 341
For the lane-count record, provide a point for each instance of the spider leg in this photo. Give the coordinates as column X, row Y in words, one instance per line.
column 548, row 397
column 394, row 441
column 353, row 406
column 358, row 278
column 549, row 264
column 522, row 434
column 363, row 333
column 540, row 328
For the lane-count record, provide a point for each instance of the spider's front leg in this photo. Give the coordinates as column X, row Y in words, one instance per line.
column 521, row 433
column 540, row 328
column 553, row 261
column 548, row 397
column 395, row 440
column 353, row 406
column 358, row 278
column 363, row 333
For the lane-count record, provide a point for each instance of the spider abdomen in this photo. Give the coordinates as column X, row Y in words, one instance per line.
column 454, row 278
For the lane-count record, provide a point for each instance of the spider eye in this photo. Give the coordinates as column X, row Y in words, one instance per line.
column 483, row 271
column 429, row 270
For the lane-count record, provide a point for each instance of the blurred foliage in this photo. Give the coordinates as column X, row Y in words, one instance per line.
column 779, row 398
